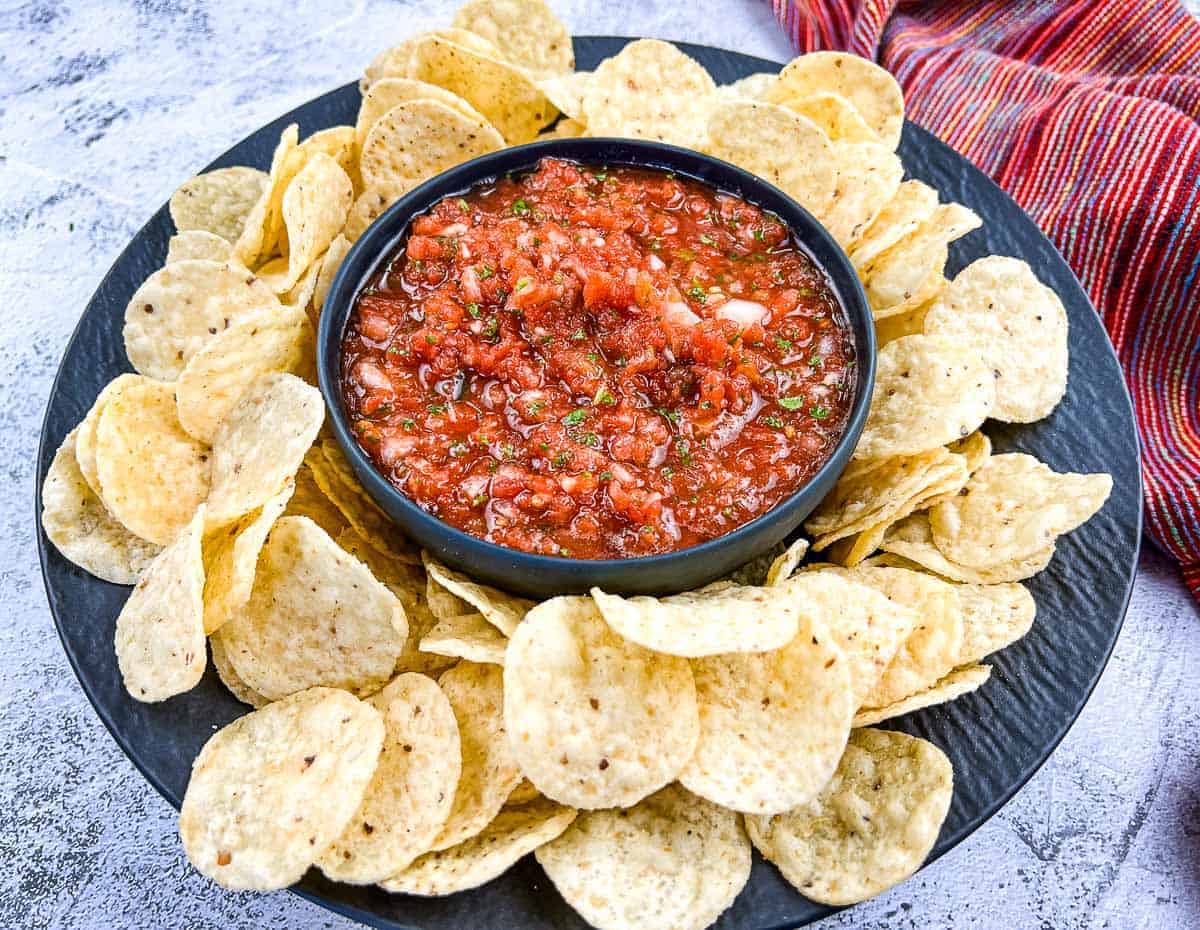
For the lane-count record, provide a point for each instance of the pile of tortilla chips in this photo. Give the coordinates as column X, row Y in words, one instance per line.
column 421, row 731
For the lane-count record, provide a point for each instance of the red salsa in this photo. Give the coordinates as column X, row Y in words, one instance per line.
column 597, row 362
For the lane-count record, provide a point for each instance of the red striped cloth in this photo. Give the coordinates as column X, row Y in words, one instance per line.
column 1088, row 114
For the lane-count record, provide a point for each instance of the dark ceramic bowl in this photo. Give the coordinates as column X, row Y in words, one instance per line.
column 524, row 572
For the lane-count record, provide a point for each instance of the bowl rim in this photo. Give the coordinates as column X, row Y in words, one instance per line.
column 389, row 229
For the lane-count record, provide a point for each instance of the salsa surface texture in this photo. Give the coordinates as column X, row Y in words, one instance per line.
column 597, row 362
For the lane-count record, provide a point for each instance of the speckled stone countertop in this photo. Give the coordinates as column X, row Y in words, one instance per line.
column 104, row 108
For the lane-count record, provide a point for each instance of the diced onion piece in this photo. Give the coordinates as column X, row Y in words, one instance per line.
column 743, row 312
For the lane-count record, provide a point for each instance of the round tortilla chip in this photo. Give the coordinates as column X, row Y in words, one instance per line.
column 566, row 92
column 229, row 676
column 339, row 143
column 868, row 627
column 994, row 616
column 231, row 557
column 868, row 176
column 80, row 527
column 912, row 539
column 218, row 201
column 260, row 444
column 396, row 61
column 501, row 609
column 778, row 145
column 929, row 390
column 489, row 771
column 308, row 500
column 594, row 720
column 390, row 92
column 314, row 208
column 674, row 860
column 910, row 272
column 370, row 206
column 911, row 205
column 85, row 435
column 959, row 682
column 1013, row 508
column 873, row 825
column 411, row 793
column 753, row 86
column 1017, row 324
column 514, row 833
column 772, row 725
column 526, row 31
column 260, row 232
column 160, row 630
column 316, row 616
column 872, row 91
column 467, row 636
column 420, row 138
column 154, row 475
column 215, row 378
column 181, row 307
column 649, row 90
column 270, row 792
column 703, row 623
column 835, row 115
column 330, row 264
column 198, row 243
column 505, row 94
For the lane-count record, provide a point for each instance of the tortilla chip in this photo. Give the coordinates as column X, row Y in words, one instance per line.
column 260, row 444
column 781, row 569
column 836, row 116
column 515, row 832
column 80, row 527
column 911, row 205
column 863, row 623
column 909, row 273
column 868, row 176
column 315, row 206
column 649, row 90
column 754, row 86
column 369, row 206
column 420, row 138
column 527, row 33
column 1017, row 324
column 308, row 500
column 410, row 795
column 489, row 770
column 316, row 616
column 270, row 792
column 397, row 60
column 85, row 433
column 218, row 375
column 872, row 91
column 1013, row 508
column 390, row 92
column 160, row 630
column 929, row 390
column 230, row 559
column 198, row 243
column 468, row 636
column 594, row 720
column 959, row 682
column 506, row 95
column 218, row 201
column 260, row 232
column 873, row 825
column 504, row 611
column 912, row 539
column 229, row 676
column 334, row 256
column 772, row 725
column 153, row 474
column 674, row 860
column 566, row 92
column 339, row 143
column 994, row 616
column 182, row 307
column 776, row 144
column 703, row 623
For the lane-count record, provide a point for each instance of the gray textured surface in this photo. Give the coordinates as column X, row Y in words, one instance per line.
column 104, row 108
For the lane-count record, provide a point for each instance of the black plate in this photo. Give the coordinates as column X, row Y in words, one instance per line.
column 996, row 737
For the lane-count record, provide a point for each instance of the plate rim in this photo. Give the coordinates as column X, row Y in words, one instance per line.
column 944, row 845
